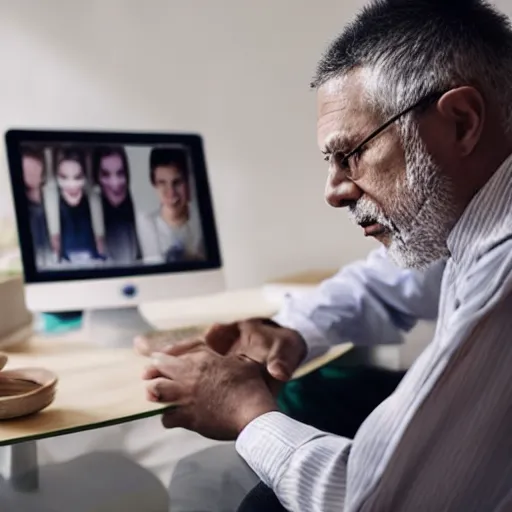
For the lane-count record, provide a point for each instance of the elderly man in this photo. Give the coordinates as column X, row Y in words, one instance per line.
column 368, row 302
column 414, row 120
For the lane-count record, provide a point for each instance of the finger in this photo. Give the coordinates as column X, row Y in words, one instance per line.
column 169, row 366
column 164, row 390
column 222, row 337
column 146, row 344
column 151, row 397
column 183, row 347
column 151, row 372
column 254, row 342
column 283, row 360
column 142, row 346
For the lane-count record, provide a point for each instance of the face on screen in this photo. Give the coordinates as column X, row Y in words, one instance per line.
column 172, row 189
column 113, row 179
column 136, row 214
column 71, row 181
column 32, row 172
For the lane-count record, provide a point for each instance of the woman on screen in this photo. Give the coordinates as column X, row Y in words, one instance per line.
column 111, row 173
column 77, row 240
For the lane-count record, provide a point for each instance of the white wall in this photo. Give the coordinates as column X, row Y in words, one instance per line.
column 235, row 71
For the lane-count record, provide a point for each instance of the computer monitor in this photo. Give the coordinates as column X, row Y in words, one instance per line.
column 110, row 220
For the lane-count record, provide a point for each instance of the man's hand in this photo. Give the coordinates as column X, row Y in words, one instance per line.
column 216, row 396
column 281, row 350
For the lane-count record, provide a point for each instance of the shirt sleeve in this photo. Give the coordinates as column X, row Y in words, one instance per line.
column 305, row 467
column 369, row 302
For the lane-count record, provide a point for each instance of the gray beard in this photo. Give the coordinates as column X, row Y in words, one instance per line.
column 423, row 211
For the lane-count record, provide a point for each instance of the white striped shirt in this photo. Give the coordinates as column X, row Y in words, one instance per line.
column 313, row 471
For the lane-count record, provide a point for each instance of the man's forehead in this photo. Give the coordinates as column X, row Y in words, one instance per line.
column 342, row 94
column 343, row 111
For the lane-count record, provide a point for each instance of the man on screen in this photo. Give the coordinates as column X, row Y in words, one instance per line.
column 34, row 176
column 176, row 224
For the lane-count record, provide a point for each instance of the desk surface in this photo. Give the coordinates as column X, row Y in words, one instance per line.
column 96, row 388
column 99, row 387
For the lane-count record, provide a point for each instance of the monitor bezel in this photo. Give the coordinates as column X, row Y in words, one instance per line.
column 14, row 138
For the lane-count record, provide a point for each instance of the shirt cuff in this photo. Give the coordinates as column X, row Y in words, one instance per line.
column 268, row 442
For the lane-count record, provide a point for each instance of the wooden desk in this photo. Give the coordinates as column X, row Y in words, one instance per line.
column 99, row 387
column 96, row 388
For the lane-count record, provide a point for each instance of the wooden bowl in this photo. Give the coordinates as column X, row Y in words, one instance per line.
column 25, row 391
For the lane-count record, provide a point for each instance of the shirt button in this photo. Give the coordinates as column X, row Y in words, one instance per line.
column 457, row 304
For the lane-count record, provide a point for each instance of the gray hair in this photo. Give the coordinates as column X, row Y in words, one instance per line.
column 411, row 48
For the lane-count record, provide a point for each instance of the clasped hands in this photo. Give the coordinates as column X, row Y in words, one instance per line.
column 224, row 381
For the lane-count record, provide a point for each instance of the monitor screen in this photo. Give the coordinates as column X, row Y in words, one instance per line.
column 93, row 205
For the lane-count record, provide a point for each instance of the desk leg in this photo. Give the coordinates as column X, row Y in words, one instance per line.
column 18, row 465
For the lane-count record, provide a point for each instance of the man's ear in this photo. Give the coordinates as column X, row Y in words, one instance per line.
column 464, row 108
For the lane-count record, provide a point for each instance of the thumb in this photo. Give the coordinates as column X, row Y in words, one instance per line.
column 283, row 359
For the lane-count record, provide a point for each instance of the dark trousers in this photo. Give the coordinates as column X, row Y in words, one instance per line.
column 333, row 399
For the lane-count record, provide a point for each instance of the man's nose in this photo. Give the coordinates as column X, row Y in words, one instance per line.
column 340, row 191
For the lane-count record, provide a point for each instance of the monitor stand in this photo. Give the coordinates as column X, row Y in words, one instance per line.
column 115, row 328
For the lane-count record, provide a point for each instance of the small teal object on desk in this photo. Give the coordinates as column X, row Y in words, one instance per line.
column 59, row 323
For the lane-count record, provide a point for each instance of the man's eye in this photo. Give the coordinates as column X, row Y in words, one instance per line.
column 357, row 155
column 341, row 160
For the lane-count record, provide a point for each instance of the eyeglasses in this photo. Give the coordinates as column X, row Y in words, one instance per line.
column 344, row 162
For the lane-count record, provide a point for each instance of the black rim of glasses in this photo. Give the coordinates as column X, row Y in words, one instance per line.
column 423, row 102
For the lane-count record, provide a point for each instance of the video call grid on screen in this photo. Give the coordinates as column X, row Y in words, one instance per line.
column 96, row 205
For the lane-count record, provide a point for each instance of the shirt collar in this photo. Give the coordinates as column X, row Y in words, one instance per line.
column 483, row 223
